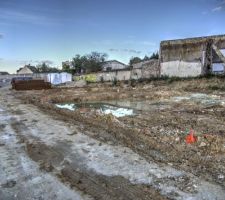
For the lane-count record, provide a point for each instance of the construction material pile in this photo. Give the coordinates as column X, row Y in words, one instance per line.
column 30, row 84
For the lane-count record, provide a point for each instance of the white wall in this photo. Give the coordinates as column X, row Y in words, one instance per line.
column 110, row 76
column 181, row 68
column 113, row 65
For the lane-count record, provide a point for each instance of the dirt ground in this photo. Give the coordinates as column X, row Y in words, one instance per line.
column 84, row 154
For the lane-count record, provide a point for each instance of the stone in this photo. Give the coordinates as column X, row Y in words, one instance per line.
column 202, row 144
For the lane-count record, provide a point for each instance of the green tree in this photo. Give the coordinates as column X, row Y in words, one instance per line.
column 88, row 63
column 67, row 68
column 78, row 63
column 146, row 58
column 154, row 56
column 44, row 68
column 135, row 60
column 94, row 61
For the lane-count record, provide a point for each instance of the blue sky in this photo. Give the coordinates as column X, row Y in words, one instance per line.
column 32, row 31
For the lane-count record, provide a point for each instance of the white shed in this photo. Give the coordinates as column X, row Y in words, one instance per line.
column 58, row 78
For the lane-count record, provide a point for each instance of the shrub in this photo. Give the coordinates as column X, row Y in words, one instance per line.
column 132, row 82
column 126, row 82
column 102, row 79
column 114, row 83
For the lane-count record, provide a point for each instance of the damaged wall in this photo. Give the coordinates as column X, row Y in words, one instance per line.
column 189, row 57
column 146, row 69
column 142, row 70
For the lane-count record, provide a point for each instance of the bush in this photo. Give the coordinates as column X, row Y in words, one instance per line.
column 114, row 83
column 174, row 78
column 126, row 82
column 141, row 80
column 132, row 82
column 102, row 79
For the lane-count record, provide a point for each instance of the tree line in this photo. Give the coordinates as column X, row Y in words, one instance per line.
column 93, row 62
column 86, row 63
column 135, row 60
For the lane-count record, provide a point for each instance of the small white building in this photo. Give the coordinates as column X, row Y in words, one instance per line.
column 57, row 78
column 113, row 65
column 27, row 69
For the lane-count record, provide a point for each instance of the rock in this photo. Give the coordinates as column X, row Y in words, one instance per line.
column 202, row 144
column 73, row 133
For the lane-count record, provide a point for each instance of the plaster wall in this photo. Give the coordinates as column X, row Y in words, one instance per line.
column 181, row 68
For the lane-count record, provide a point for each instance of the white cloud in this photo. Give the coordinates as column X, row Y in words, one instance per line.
column 144, row 42
column 130, row 51
column 217, row 9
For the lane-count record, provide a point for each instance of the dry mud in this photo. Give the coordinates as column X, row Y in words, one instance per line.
column 135, row 157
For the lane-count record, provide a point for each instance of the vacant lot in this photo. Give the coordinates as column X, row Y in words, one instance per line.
column 115, row 142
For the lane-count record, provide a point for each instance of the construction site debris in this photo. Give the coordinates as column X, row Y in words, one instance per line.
column 190, row 138
column 30, row 84
column 91, row 158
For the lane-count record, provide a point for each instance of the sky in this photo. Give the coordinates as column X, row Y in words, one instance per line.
column 52, row 31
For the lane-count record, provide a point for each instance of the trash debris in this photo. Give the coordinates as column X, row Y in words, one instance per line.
column 190, row 138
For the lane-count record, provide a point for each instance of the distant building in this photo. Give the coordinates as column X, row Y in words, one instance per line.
column 27, row 69
column 113, row 65
column 192, row 56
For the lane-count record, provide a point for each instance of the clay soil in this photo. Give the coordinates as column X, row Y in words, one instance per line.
column 155, row 134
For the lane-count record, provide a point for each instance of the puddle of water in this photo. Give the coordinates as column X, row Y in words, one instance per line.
column 5, row 137
column 121, row 108
column 143, row 105
column 205, row 99
column 103, row 108
column 66, row 106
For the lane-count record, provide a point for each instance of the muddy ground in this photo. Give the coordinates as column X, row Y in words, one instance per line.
column 98, row 156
